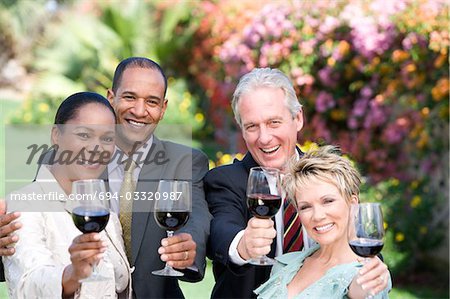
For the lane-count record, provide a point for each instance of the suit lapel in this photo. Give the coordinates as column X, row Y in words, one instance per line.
column 115, row 238
column 147, row 183
column 249, row 162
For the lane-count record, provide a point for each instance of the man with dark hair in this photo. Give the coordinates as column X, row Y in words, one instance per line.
column 138, row 96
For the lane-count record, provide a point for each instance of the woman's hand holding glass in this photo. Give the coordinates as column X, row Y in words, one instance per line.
column 85, row 251
column 90, row 214
column 365, row 236
column 372, row 278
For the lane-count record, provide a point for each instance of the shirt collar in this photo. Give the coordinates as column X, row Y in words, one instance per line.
column 297, row 155
column 48, row 182
column 138, row 157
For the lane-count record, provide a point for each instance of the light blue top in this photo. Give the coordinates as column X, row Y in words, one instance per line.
column 334, row 284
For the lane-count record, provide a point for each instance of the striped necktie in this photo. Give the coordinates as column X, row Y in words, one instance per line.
column 293, row 237
column 126, row 203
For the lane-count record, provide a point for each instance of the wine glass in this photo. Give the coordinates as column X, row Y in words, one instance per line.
column 366, row 230
column 263, row 199
column 90, row 213
column 172, row 208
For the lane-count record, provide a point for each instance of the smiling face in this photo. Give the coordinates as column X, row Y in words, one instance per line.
column 139, row 104
column 323, row 211
column 268, row 128
column 85, row 144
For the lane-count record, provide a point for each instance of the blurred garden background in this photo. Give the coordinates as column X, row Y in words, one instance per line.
column 373, row 77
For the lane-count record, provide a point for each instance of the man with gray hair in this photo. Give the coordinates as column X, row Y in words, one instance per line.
column 270, row 116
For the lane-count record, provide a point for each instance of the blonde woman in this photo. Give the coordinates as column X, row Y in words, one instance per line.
column 325, row 185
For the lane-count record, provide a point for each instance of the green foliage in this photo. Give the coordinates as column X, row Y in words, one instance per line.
column 21, row 27
column 81, row 49
column 414, row 229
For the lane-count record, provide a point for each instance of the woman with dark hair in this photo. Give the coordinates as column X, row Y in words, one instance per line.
column 51, row 256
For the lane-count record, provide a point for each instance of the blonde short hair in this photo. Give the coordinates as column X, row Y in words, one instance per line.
column 325, row 164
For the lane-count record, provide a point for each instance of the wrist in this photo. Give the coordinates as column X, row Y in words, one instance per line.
column 355, row 291
column 70, row 283
column 242, row 249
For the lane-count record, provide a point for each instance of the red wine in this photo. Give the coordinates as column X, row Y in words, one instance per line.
column 366, row 247
column 173, row 220
column 92, row 220
column 263, row 205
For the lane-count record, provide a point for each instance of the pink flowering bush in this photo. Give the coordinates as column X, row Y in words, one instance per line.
column 372, row 76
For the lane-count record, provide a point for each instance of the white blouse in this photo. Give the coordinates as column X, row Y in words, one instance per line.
column 36, row 269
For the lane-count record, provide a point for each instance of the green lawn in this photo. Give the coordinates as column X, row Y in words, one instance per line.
column 199, row 290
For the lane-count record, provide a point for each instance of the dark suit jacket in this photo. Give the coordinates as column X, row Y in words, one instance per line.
column 225, row 189
column 2, row 272
column 184, row 164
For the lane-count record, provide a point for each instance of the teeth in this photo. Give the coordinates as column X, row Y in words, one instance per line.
column 325, row 227
column 136, row 124
column 270, row 150
column 87, row 162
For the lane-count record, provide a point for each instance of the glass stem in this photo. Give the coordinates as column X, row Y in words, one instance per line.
column 94, row 269
column 169, row 235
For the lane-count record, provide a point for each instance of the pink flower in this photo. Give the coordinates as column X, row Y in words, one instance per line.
column 328, row 25
column 320, row 129
column 324, row 101
column 376, row 115
column 359, row 109
column 387, row 8
column 369, row 36
column 413, row 38
column 307, row 46
column 352, row 123
column 366, row 92
column 327, row 77
column 304, row 80
column 312, row 21
column 394, row 133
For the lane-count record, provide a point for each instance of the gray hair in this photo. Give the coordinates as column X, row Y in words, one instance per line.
column 325, row 164
column 265, row 77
